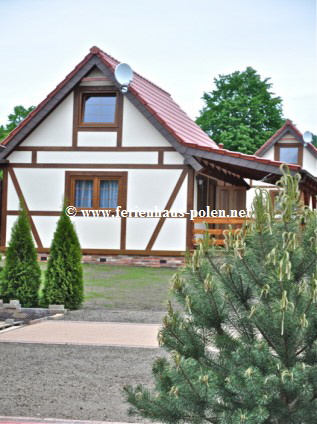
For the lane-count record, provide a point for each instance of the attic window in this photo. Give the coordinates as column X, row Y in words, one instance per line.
column 99, row 108
column 289, row 153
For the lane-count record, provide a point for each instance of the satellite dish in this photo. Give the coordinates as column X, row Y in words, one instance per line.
column 307, row 137
column 123, row 74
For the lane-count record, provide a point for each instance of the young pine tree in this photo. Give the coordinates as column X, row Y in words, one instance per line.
column 244, row 347
column 64, row 275
column 21, row 276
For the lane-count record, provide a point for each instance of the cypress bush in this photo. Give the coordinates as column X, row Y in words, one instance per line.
column 63, row 283
column 243, row 348
column 21, row 275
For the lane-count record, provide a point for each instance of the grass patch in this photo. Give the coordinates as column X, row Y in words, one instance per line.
column 120, row 287
column 126, row 287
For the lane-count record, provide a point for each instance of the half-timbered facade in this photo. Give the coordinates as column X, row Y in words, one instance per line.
column 100, row 149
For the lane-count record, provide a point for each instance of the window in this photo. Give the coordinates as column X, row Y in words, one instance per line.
column 289, row 153
column 96, row 190
column 99, row 108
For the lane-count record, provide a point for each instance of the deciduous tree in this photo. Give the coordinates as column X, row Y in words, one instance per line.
column 241, row 112
column 19, row 113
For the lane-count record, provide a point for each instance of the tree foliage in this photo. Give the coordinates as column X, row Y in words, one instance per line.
column 21, row 276
column 64, row 275
column 19, row 113
column 241, row 112
column 243, row 349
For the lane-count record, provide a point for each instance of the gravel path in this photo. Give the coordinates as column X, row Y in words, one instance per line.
column 116, row 315
column 71, row 382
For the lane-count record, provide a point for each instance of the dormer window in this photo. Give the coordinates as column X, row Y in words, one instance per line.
column 289, row 153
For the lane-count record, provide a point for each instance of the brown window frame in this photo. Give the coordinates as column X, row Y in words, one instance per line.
column 81, row 93
column 278, row 146
column 72, row 176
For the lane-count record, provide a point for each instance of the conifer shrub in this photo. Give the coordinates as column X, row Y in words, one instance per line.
column 63, row 283
column 243, row 348
column 21, row 275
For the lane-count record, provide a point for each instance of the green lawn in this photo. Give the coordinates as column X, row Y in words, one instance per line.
column 126, row 287
column 123, row 287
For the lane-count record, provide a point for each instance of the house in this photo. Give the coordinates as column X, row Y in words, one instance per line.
column 287, row 145
column 126, row 155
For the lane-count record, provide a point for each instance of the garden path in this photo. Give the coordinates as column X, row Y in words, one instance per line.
column 85, row 333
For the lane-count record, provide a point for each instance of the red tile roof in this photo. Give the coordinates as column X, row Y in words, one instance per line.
column 157, row 101
column 271, row 141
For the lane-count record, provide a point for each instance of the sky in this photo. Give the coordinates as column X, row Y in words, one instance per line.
column 180, row 45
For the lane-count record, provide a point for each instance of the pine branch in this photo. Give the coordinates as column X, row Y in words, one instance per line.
column 298, row 277
column 191, row 384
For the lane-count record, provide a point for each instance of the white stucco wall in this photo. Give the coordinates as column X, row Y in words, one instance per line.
column 137, row 130
column 98, row 233
column 56, row 129
column 46, row 226
column 139, row 232
column 172, row 235
column 173, row 158
column 96, row 139
column 309, row 162
column 149, row 188
column 98, row 157
column 12, row 200
column 269, row 154
column 10, row 221
column 43, row 189
column 20, row 157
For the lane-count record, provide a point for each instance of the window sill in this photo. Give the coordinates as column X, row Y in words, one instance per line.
column 98, row 127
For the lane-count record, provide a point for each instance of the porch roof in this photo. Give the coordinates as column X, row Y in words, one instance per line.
column 237, row 166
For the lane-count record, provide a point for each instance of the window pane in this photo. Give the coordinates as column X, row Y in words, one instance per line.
column 289, row 154
column 83, row 193
column 109, row 193
column 100, row 108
